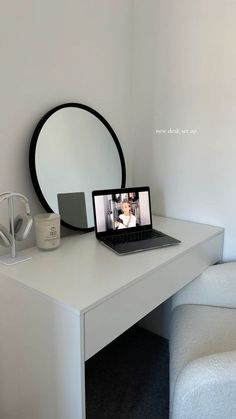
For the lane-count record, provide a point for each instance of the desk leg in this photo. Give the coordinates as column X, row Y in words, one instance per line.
column 41, row 356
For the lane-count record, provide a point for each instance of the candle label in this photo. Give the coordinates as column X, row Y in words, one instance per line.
column 48, row 236
column 51, row 233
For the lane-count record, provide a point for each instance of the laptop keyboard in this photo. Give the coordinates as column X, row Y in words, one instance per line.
column 133, row 236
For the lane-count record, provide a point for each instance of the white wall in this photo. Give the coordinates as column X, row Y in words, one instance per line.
column 184, row 78
column 179, row 59
column 54, row 52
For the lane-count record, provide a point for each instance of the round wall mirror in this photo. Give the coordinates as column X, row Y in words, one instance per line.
column 74, row 151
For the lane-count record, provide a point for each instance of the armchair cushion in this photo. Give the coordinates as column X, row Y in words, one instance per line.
column 214, row 287
column 198, row 331
column 206, row 388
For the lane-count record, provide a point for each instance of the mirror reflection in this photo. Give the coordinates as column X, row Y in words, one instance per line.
column 74, row 151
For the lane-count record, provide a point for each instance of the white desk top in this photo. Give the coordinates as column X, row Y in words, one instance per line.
column 82, row 272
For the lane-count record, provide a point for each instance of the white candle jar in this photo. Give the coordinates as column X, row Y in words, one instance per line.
column 47, row 231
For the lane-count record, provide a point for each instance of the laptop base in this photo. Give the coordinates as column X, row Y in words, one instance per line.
column 141, row 245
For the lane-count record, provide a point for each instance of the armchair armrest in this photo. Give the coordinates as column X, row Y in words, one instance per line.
column 214, row 287
column 206, row 388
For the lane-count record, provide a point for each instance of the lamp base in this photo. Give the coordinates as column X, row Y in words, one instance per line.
column 9, row 260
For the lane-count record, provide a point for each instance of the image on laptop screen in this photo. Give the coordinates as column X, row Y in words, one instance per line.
column 119, row 211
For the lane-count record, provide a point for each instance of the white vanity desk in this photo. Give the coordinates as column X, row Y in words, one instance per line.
column 63, row 306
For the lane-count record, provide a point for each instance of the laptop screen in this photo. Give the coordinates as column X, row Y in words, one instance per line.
column 118, row 210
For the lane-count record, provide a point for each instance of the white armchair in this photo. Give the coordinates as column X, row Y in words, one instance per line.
column 203, row 347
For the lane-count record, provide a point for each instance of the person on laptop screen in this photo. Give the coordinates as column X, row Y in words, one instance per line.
column 126, row 219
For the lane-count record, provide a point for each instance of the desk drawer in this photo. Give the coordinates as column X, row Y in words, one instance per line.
column 113, row 316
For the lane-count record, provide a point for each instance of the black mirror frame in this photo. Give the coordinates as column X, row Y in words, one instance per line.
column 33, row 146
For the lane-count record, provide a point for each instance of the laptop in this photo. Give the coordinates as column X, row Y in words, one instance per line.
column 123, row 221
